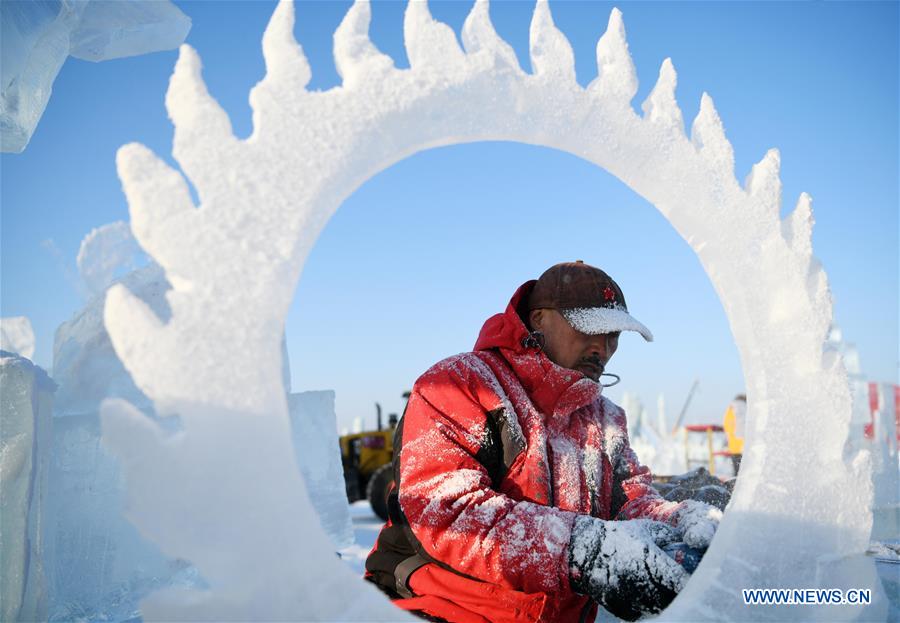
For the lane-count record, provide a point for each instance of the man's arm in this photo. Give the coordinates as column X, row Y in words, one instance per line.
column 633, row 496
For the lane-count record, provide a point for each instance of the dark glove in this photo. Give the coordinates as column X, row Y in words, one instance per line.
column 621, row 566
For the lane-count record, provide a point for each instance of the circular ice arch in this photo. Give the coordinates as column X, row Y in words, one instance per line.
column 224, row 492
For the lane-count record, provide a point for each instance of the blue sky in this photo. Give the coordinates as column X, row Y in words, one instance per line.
column 413, row 263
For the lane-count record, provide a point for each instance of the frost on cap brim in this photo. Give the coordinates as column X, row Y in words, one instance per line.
column 596, row 320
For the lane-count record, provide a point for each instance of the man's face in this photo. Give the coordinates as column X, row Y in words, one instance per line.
column 572, row 349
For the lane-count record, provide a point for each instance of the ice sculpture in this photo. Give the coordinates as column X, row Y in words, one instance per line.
column 656, row 447
column 263, row 201
column 97, row 565
column 26, row 401
column 37, row 38
column 105, row 253
column 17, row 336
column 314, row 432
column 886, row 473
column 84, row 362
column 875, row 425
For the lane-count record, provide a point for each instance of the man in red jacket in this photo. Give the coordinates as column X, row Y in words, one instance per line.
column 517, row 495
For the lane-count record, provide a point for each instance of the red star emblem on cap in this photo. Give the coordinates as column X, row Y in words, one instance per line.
column 609, row 294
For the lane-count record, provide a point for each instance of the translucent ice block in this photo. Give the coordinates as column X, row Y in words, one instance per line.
column 38, row 36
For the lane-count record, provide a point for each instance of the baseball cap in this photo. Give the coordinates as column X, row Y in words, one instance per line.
column 588, row 298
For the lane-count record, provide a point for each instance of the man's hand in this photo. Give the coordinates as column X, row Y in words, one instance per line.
column 697, row 523
column 621, row 566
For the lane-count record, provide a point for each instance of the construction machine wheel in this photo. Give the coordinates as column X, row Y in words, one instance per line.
column 378, row 488
column 351, row 484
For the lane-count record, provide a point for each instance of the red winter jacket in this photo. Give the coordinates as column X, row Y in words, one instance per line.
column 499, row 449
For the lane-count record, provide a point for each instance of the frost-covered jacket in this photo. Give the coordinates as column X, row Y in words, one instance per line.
column 497, row 453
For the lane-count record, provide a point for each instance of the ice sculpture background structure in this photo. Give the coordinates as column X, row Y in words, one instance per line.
column 224, row 492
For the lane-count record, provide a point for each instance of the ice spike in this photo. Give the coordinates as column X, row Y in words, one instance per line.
column 282, row 53
column 764, row 181
column 159, row 202
column 661, row 106
column 551, row 52
column 355, row 56
column 617, row 79
column 429, row 43
column 708, row 137
column 479, row 37
column 798, row 225
column 191, row 108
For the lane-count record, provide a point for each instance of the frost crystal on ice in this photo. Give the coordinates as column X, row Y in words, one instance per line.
column 233, row 262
